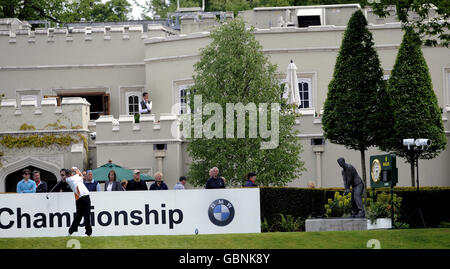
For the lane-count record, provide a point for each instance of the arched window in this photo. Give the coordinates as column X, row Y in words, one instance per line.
column 304, row 89
column 133, row 100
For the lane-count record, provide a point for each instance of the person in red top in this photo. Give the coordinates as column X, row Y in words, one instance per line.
column 41, row 186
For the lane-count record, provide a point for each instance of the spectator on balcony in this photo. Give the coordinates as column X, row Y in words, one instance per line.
column 90, row 183
column 136, row 184
column 159, row 184
column 145, row 106
column 181, row 183
column 41, row 186
column 26, row 185
column 112, row 184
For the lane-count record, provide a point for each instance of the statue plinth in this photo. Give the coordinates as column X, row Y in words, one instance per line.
column 336, row 224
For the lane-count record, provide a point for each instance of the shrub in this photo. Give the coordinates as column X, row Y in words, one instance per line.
column 380, row 207
column 340, row 206
column 444, row 224
column 305, row 202
column 290, row 224
column 265, row 226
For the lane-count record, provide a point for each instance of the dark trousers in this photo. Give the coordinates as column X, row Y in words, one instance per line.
column 357, row 203
column 83, row 205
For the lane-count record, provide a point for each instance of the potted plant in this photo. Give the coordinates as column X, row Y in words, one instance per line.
column 378, row 211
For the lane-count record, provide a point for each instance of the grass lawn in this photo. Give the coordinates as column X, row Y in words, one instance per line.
column 389, row 239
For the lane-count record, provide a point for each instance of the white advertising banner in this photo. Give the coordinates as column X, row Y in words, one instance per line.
column 172, row 212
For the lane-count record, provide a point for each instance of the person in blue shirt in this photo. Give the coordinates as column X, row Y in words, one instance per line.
column 26, row 185
column 251, row 178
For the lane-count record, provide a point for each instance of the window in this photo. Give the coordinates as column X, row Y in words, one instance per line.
column 304, row 89
column 309, row 17
column 305, row 21
column 447, row 86
column 183, row 94
column 130, row 98
column 305, row 92
column 133, row 101
column 99, row 102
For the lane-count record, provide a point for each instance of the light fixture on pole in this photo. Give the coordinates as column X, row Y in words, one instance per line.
column 420, row 145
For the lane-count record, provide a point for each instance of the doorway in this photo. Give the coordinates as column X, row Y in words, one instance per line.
column 100, row 103
column 13, row 178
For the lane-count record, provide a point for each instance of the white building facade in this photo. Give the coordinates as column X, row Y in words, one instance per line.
column 110, row 68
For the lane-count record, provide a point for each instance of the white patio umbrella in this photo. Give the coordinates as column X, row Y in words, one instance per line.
column 292, row 81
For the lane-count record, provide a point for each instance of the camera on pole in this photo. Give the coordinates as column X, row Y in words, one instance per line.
column 409, row 142
column 423, row 142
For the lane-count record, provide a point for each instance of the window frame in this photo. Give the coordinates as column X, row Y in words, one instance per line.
column 177, row 86
column 308, row 77
column 127, row 103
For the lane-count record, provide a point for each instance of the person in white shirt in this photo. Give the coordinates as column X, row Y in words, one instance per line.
column 145, row 106
column 82, row 200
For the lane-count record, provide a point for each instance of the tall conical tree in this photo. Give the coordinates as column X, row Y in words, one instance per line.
column 415, row 106
column 357, row 113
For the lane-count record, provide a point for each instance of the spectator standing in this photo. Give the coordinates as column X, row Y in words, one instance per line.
column 251, row 178
column 90, row 183
column 159, row 184
column 112, row 184
column 145, row 107
column 41, row 186
column 180, row 184
column 26, row 185
column 215, row 182
column 123, row 184
column 136, row 184
column 62, row 185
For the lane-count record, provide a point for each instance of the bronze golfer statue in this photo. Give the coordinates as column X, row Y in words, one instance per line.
column 352, row 179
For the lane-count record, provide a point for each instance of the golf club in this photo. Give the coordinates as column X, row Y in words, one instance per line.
column 52, row 189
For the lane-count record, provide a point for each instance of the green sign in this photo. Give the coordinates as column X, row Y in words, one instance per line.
column 383, row 171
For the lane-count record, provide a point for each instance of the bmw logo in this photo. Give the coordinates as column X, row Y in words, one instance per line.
column 221, row 212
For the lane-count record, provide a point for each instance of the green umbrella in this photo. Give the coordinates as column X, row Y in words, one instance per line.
column 101, row 173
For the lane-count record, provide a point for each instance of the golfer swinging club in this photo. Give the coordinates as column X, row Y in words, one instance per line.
column 82, row 200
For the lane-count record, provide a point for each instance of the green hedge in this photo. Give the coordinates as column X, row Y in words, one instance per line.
column 305, row 202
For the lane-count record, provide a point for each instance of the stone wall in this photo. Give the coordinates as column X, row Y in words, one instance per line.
column 39, row 133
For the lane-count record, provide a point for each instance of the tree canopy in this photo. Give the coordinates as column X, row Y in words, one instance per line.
column 233, row 72
column 415, row 107
column 357, row 113
column 64, row 11
column 430, row 19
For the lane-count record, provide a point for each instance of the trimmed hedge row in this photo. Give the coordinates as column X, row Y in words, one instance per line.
column 304, row 203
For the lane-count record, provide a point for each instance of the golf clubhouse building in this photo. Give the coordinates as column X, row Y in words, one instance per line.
column 75, row 90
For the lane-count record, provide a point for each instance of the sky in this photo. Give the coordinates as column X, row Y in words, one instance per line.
column 136, row 13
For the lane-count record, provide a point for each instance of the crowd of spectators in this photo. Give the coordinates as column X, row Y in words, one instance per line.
column 32, row 182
